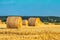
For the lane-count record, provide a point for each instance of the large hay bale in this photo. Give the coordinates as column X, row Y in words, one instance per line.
column 25, row 22
column 14, row 22
column 34, row 21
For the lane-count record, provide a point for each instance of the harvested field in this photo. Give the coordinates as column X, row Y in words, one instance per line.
column 31, row 33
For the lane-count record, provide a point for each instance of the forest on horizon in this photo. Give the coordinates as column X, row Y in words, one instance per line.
column 50, row 19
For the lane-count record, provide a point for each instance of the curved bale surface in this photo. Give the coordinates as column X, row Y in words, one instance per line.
column 14, row 22
column 25, row 22
column 34, row 21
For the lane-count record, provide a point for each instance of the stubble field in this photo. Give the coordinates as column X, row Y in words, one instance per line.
column 31, row 33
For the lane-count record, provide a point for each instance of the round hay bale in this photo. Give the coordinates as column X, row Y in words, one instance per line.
column 25, row 22
column 34, row 21
column 14, row 22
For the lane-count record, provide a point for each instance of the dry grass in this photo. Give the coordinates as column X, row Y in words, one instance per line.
column 42, row 32
column 3, row 25
column 31, row 33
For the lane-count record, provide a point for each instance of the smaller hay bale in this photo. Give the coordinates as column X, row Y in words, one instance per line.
column 25, row 22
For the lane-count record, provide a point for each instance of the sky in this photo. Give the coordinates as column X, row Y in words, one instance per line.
column 30, row 7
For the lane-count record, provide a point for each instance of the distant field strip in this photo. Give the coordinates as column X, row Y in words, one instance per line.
column 31, row 33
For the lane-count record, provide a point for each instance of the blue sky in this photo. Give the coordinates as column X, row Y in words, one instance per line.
column 30, row 7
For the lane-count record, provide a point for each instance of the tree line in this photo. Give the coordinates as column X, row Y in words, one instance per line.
column 52, row 19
